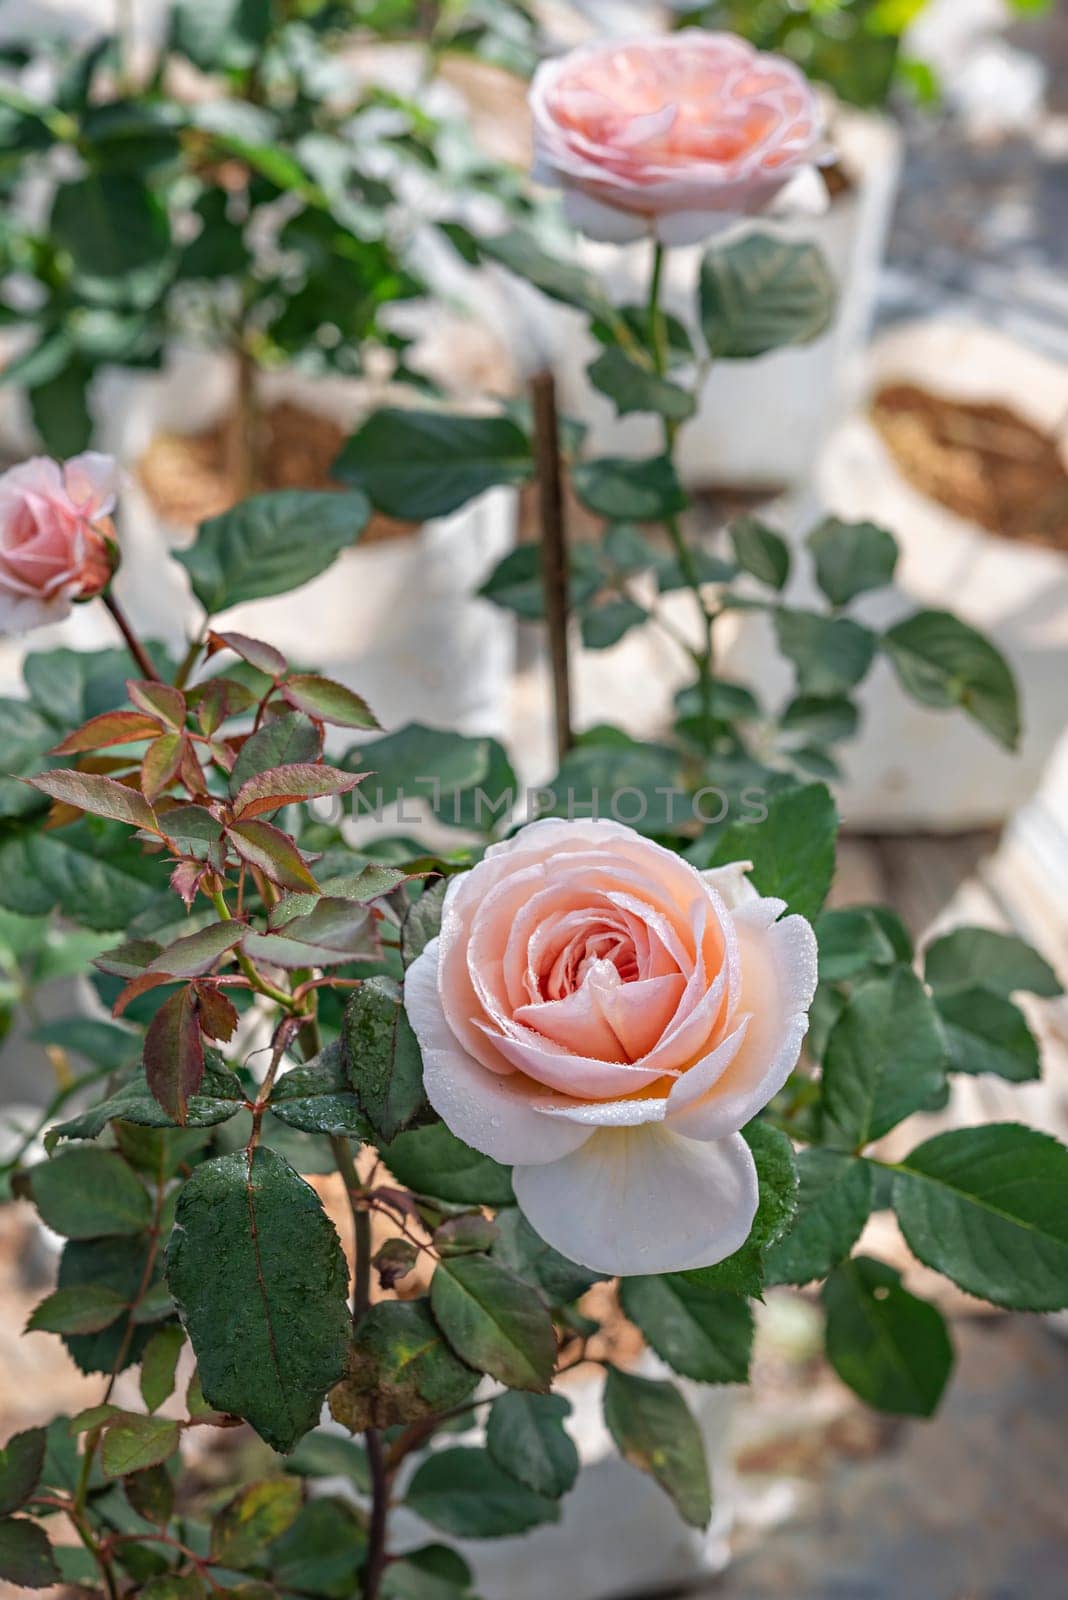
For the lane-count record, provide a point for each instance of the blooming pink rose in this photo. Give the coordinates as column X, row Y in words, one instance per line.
column 674, row 134
column 56, row 537
column 595, row 1013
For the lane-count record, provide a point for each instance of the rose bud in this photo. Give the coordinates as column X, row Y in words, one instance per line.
column 57, row 540
column 604, row 1017
column 675, row 134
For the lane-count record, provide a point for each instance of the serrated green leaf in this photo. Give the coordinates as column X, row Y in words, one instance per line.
column 465, row 1493
column 400, row 1369
column 384, row 1061
column 255, row 1263
column 26, row 1558
column 519, row 1247
column 21, row 1462
column 255, row 1517
column 760, row 291
column 851, row 558
column 270, row 544
column 886, row 1056
column 86, row 1309
column 760, row 551
column 987, row 1033
column 634, row 387
column 132, row 1443
column 623, row 489
column 321, row 1553
column 942, row 662
column 318, row 1098
column 416, row 465
column 981, row 956
column 792, row 849
column 159, row 1364
column 890, row 1347
column 494, row 1320
column 525, row 1435
column 833, row 1203
column 988, row 1207
column 743, row 1272
column 84, row 1194
column 654, row 1430
column 434, row 1162
column 830, row 654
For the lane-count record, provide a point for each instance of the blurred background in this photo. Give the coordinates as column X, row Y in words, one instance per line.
column 936, row 406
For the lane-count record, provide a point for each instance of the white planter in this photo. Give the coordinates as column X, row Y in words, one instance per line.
column 910, row 767
column 397, row 619
column 619, row 1534
column 760, row 423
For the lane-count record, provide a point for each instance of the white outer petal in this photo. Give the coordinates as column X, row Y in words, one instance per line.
column 606, row 224
column 643, row 1200
column 678, row 228
column 805, row 195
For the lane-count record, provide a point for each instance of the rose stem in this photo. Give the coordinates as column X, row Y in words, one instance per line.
column 133, row 643
column 703, row 658
column 554, row 554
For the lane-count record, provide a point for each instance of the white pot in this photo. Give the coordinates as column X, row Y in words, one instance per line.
column 397, row 619
column 618, row 1533
column 762, row 422
column 910, row 767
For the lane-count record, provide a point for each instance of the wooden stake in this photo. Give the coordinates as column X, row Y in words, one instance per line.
column 554, row 552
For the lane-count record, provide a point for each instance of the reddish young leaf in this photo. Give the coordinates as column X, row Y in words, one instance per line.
column 218, row 700
column 283, row 786
column 264, row 657
column 218, row 1014
column 112, row 727
column 102, row 796
column 174, row 1053
column 158, row 700
column 273, row 852
column 138, row 986
column 161, row 762
column 185, row 880
column 196, row 954
column 328, row 701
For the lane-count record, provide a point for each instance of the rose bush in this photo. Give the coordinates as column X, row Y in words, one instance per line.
column 674, row 135
column 56, row 537
column 596, row 1013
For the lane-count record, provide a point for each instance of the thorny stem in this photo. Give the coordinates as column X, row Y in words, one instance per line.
column 133, row 643
column 704, row 657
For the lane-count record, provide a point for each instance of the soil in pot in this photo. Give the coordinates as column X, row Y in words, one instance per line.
column 983, row 461
column 191, row 476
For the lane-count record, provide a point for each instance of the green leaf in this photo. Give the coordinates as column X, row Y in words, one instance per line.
column 701, row 1332
column 86, row 1309
column 830, row 654
column 21, row 1461
column 151, row 1494
column 331, row 1455
column 255, row 1517
column 318, row 1098
column 654, row 1430
column 987, row 1033
column 560, row 280
column 328, row 701
column 517, row 582
column 159, row 1364
column 760, row 292
column 760, row 551
column 282, row 741
column 255, row 1264
column 273, row 852
column 100, row 796
column 792, row 849
column 606, row 624
column 743, row 1272
column 519, row 1247
column 197, row 953
column 220, row 1097
column 633, row 387
column 623, row 489
column 833, row 1204
column 270, row 544
column 851, row 558
column 413, row 760
column 422, row 921
column 400, row 1369
column 85, row 1193
column 465, row 1493
column 321, row 1552
column 827, row 718
column 416, row 465
column 989, row 1208
column 851, row 942
column 494, row 1320
column 117, row 234
column 943, row 663
column 968, row 957
column 132, row 1443
column 174, row 1053
column 98, row 875
column 221, row 35
column 26, row 1558
column 117, row 1263
column 383, row 1058
column 434, row 1162
column 886, row 1056
column 525, row 1435
column 891, row 1348
column 434, row 1572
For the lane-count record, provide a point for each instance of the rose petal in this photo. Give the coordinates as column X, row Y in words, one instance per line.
column 642, row 1200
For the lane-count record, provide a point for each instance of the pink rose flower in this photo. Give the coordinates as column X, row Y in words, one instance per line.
column 597, row 1013
column 675, row 134
column 56, row 537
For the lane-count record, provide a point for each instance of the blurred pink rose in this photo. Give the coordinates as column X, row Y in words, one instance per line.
column 604, row 1017
column 56, row 537
column 674, row 134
